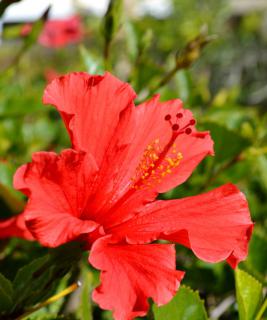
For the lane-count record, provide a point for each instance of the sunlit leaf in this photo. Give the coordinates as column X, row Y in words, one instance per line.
column 249, row 295
column 186, row 305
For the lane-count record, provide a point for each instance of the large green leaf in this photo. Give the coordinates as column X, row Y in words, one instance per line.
column 227, row 143
column 6, row 294
column 249, row 295
column 24, row 280
column 186, row 305
column 38, row 280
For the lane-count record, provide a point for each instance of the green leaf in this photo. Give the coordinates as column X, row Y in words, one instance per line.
column 23, row 280
column 249, row 295
column 131, row 40
column 186, row 305
column 112, row 19
column 111, row 24
column 232, row 116
column 227, row 143
column 92, row 65
column 6, row 294
column 258, row 253
column 260, row 168
column 38, row 280
column 184, row 85
column 6, row 285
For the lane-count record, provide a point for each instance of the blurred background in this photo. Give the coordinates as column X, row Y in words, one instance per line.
column 211, row 54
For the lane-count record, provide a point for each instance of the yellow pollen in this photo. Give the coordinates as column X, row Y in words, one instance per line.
column 154, row 166
column 170, row 161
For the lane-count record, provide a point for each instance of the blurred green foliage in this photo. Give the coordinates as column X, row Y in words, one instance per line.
column 225, row 86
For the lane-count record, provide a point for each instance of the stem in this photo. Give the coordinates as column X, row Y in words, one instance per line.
column 150, row 314
column 167, row 78
column 261, row 311
column 54, row 298
column 190, row 54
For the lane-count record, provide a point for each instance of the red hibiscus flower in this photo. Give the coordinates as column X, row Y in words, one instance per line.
column 103, row 192
column 58, row 33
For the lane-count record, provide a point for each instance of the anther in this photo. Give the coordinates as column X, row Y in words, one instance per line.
column 188, row 130
column 179, row 115
column 175, row 127
column 168, row 117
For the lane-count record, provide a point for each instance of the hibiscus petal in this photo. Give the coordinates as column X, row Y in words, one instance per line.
column 119, row 139
column 215, row 225
column 124, row 169
column 145, row 128
column 57, row 187
column 15, row 227
column 192, row 147
column 90, row 107
column 130, row 274
column 53, row 230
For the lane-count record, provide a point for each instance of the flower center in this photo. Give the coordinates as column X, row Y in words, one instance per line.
column 158, row 162
column 155, row 165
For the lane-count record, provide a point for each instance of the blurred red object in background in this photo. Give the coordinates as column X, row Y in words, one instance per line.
column 58, row 33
